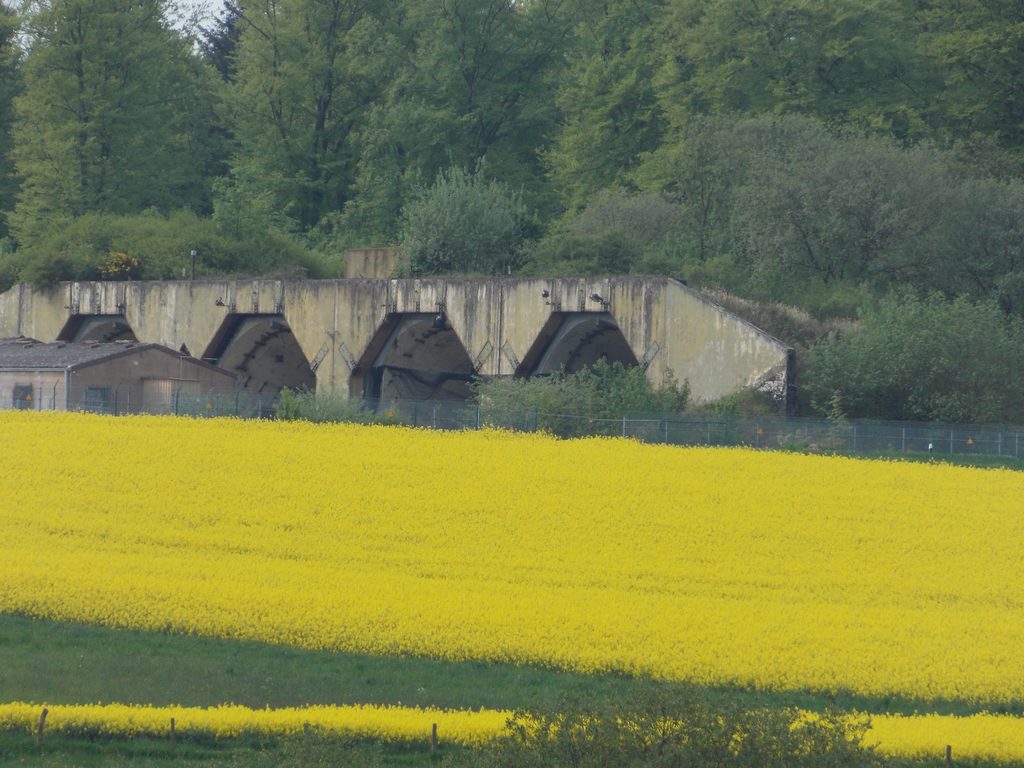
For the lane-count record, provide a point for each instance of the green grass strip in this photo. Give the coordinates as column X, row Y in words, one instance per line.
column 65, row 663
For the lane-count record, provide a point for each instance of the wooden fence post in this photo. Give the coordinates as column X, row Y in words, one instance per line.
column 433, row 737
column 949, row 754
column 172, row 731
column 42, row 725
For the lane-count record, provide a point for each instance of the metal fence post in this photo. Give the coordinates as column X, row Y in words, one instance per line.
column 903, row 441
column 951, row 442
column 623, row 425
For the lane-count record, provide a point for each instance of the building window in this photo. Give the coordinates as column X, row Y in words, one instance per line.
column 23, row 397
column 98, row 400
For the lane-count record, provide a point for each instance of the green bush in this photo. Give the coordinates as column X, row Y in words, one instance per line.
column 81, row 248
column 581, row 403
column 464, row 224
column 616, row 233
column 923, row 359
column 681, row 732
column 320, row 407
column 570, row 253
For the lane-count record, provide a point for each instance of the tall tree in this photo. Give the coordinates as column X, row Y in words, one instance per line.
column 220, row 41
column 474, row 89
column 10, row 84
column 978, row 46
column 305, row 78
column 845, row 62
column 611, row 114
column 114, row 115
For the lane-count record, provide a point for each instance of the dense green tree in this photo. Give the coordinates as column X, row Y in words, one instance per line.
column 306, row 75
column 977, row 47
column 785, row 209
column 922, row 359
column 700, row 171
column 819, row 207
column 464, row 223
column 220, row 40
column 617, row 232
column 115, row 115
column 610, row 111
column 845, row 62
column 474, row 89
column 985, row 229
column 10, row 84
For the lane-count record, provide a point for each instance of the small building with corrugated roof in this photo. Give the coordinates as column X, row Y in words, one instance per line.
column 103, row 377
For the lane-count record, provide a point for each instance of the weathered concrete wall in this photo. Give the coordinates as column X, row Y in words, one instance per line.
column 371, row 262
column 669, row 327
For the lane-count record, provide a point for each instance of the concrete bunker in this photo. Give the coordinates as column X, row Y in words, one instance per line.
column 572, row 341
column 101, row 328
column 263, row 352
column 413, row 356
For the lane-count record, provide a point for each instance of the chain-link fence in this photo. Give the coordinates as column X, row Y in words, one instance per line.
column 881, row 437
column 241, row 404
column 768, row 432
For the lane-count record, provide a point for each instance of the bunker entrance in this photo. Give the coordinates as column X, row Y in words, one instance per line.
column 264, row 353
column 572, row 341
column 414, row 357
column 97, row 328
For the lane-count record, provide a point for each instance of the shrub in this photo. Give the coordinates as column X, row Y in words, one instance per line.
column 299, row 405
column 150, row 246
column 925, row 359
column 665, row 730
column 581, row 403
column 616, row 233
column 464, row 224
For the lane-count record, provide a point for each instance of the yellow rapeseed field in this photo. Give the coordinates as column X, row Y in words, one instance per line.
column 469, row 728
column 722, row 566
column 984, row 736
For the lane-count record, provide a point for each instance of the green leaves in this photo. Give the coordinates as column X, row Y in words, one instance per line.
column 844, row 62
column 922, row 359
column 463, row 224
column 10, row 84
column 590, row 401
column 114, row 116
column 306, row 72
column 82, row 247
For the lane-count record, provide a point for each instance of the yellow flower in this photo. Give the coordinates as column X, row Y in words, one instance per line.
column 717, row 566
